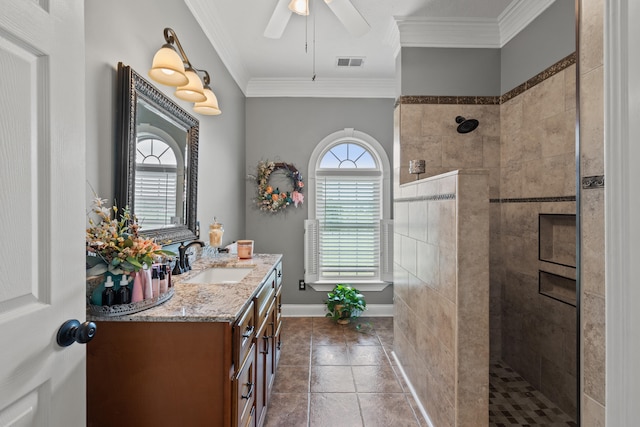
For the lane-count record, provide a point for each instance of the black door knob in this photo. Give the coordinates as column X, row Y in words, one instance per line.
column 73, row 331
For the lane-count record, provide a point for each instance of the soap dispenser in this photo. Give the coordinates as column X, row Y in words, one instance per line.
column 108, row 295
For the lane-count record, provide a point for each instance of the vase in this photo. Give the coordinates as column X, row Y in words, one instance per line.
column 137, row 294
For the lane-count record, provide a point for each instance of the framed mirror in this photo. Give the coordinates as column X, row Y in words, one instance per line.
column 157, row 159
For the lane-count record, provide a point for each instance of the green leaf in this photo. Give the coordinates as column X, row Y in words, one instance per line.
column 131, row 260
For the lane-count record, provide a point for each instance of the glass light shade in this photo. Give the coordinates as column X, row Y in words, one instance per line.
column 168, row 67
column 192, row 91
column 301, row 7
column 208, row 107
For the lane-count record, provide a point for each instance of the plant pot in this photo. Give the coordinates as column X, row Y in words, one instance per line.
column 344, row 315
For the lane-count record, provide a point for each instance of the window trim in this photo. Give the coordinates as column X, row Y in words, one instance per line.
column 350, row 135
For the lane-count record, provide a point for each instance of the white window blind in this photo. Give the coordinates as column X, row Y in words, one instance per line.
column 348, row 210
column 155, row 197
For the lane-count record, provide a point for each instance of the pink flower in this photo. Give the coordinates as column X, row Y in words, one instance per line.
column 297, row 198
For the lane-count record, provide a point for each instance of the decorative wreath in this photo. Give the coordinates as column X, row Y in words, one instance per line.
column 274, row 200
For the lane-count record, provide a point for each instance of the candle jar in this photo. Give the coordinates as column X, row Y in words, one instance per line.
column 245, row 249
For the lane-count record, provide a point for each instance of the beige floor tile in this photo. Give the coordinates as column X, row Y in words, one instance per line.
column 292, row 379
column 384, row 410
column 367, row 355
column 332, row 379
column 329, row 355
column 334, row 409
column 375, row 379
column 287, row 409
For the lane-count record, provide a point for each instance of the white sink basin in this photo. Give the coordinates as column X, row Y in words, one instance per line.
column 220, row 275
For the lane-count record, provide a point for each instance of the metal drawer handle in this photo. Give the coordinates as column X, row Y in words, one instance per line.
column 249, row 393
column 248, row 332
column 266, row 344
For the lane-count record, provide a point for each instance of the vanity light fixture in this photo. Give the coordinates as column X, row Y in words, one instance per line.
column 301, row 7
column 173, row 69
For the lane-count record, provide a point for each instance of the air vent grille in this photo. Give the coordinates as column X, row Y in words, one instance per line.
column 350, row 62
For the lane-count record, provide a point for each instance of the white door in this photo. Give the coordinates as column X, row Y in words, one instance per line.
column 42, row 211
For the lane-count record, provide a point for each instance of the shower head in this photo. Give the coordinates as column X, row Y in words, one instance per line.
column 466, row 126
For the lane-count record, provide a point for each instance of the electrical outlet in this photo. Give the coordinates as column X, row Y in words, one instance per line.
column 301, row 285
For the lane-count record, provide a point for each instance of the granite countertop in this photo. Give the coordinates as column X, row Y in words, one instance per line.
column 215, row 302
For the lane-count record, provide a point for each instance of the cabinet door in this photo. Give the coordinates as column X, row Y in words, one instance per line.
column 270, row 370
column 245, row 390
column 262, row 353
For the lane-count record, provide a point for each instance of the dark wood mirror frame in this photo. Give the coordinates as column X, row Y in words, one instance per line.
column 131, row 87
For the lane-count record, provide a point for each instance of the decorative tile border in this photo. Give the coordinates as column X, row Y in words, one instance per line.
column 448, row 196
column 540, row 77
column 448, row 100
column 492, row 100
column 535, row 199
column 589, row 182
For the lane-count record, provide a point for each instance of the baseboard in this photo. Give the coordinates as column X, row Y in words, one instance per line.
column 318, row 310
column 412, row 390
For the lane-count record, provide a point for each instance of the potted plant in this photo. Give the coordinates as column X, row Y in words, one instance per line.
column 344, row 303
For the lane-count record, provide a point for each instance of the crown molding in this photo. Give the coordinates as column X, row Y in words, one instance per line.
column 426, row 31
column 209, row 19
column 518, row 15
column 321, row 88
column 448, row 32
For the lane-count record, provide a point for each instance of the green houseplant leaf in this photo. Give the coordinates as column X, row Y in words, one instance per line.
column 344, row 302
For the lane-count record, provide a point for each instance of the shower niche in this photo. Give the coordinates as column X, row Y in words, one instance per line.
column 557, row 257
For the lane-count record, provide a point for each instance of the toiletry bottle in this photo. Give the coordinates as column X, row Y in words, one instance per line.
column 137, row 294
column 124, row 293
column 147, row 289
column 155, row 281
column 164, row 287
column 216, row 230
column 167, row 272
column 108, row 295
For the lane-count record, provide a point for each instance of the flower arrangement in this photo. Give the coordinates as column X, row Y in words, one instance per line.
column 115, row 244
column 274, row 200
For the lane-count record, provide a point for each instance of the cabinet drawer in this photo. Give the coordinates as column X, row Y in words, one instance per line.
column 279, row 273
column 243, row 333
column 244, row 390
column 265, row 297
column 278, row 306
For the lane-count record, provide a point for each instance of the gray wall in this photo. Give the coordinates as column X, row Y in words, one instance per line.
column 288, row 130
column 491, row 72
column 546, row 40
column 131, row 32
column 450, row 71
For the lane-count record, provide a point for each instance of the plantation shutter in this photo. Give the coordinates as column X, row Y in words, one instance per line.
column 348, row 213
column 386, row 250
column 311, row 251
column 155, row 197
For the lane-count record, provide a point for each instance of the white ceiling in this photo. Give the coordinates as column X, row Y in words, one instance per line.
column 281, row 67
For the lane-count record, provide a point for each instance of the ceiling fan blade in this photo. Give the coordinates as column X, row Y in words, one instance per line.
column 278, row 21
column 352, row 20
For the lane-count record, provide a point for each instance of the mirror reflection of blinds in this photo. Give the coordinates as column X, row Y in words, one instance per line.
column 348, row 211
column 155, row 196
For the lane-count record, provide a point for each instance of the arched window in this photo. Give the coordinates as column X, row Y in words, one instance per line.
column 159, row 180
column 348, row 230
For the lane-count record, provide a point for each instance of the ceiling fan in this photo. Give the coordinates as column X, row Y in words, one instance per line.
column 344, row 10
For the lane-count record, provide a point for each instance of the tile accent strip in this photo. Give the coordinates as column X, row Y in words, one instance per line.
column 535, row 199
column 589, row 182
column 448, row 196
column 493, row 100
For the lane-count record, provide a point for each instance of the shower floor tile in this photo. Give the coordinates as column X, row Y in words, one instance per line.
column 514, row 402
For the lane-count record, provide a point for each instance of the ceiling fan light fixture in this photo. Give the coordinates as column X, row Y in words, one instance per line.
column 193, row 91
column 301, row 7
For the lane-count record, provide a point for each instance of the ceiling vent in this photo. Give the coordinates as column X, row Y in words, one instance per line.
column 350, row 62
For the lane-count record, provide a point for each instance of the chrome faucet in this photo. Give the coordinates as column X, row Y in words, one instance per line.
column 182, row 263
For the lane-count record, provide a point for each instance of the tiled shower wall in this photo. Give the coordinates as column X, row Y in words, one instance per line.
column 526, row 140
column 537, row 177
column 592, row 211
column 441, row 281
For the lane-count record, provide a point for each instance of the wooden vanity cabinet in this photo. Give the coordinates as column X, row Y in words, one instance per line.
column 216, row 374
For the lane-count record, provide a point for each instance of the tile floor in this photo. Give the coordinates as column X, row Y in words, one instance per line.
column 333, row 375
